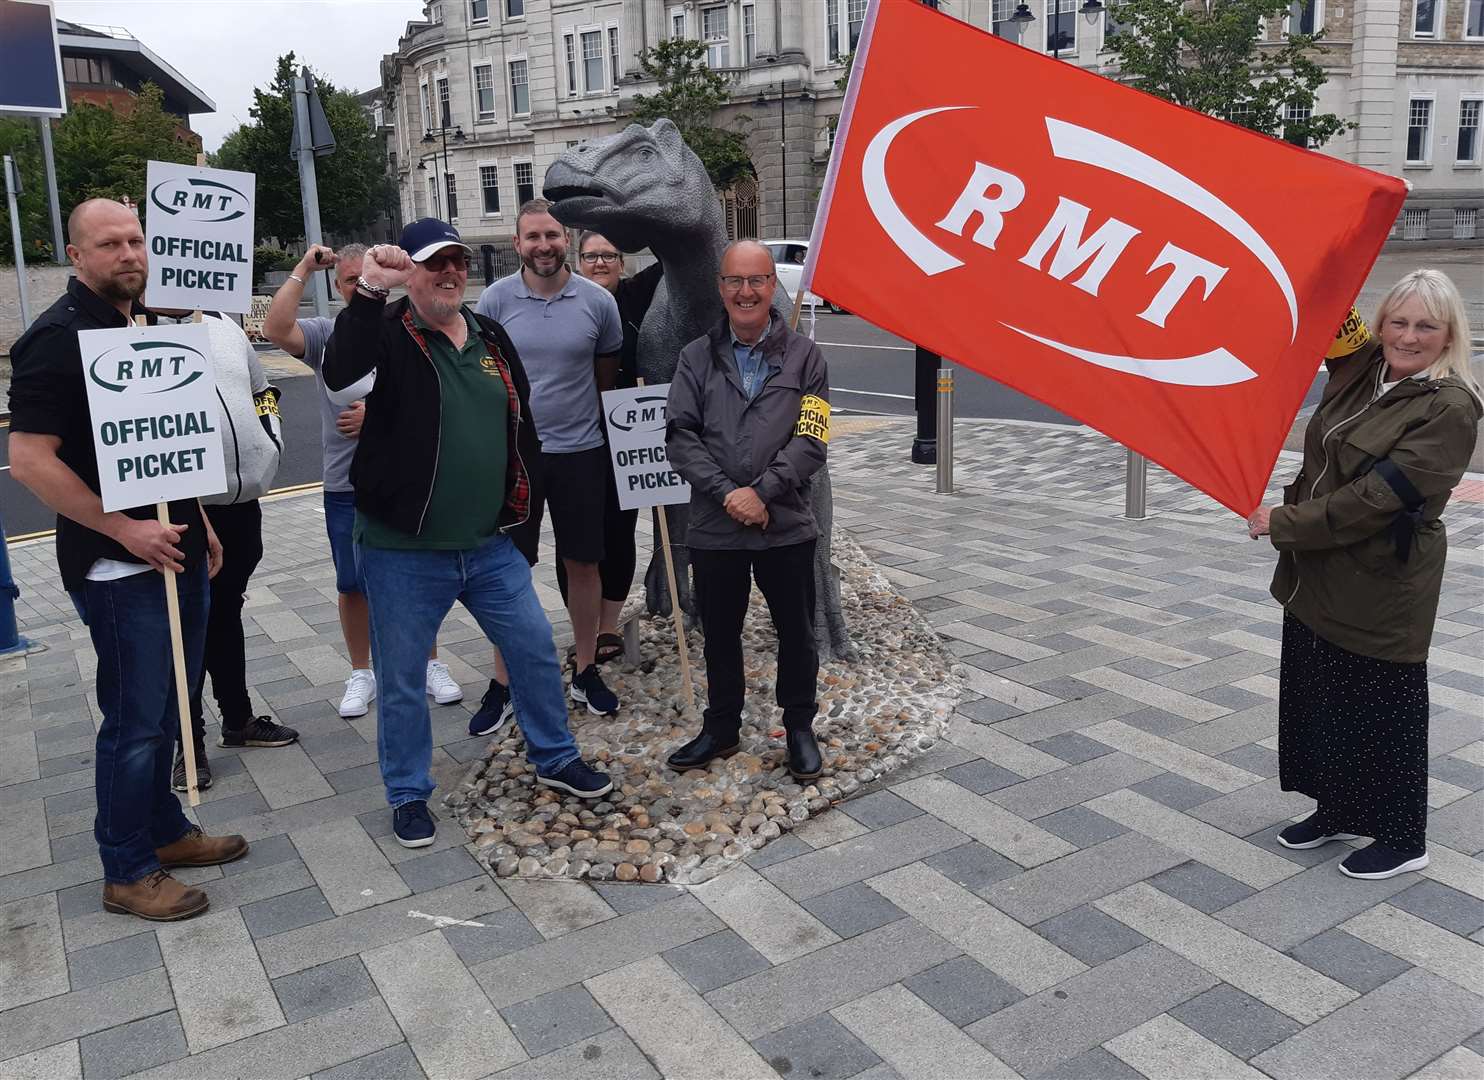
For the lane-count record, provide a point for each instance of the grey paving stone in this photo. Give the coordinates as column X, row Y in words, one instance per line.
column 83, row 1012
column 323, row 989
column 610, row 1055
column 864, row 856
column 1345, row 958
column 1156, row 721
column 1081, row 877
column 1081, row 826
column 1073, row 748
column 1456, row 771
column 821, row 1049
column 269, row 851
column 963, row 990
column 853, row 910
column 77, row 846
column 1253, row 758
column 1267, row 839
column 716, row 960
column 113, row 960
column 776, row 851
column 1085, row 1011
column 880, row 809
column 132, row 1047
column 1089, row 935
column 554, row 1020
column 1460, row 824
column 353, row 779
column 1388, row 1033
column 221, row 811
column 1297, row 908
column 502, row 932
column 975, row 866
column 394, row 1063
column 1235, row 1021
column 1201, row 887
column 980, row 776
column 1074, row 784
column 1176, row 792
column 1095, row 1064
column 1437, row 903
column 988, row 711
column 279, row 914
column 79, row 900
column 428, row 872
column 626, row 898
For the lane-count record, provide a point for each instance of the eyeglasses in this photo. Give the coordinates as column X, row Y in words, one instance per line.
column 591, row 257
column 437, row 263
column 732, row 283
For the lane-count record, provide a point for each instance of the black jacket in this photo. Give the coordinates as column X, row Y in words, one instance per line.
column 48, row 397
column 634, row 296
column 396, row 458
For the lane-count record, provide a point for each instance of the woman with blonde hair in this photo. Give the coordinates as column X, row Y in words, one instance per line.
column 1360, row 566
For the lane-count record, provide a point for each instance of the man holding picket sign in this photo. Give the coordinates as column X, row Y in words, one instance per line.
column 106, row 559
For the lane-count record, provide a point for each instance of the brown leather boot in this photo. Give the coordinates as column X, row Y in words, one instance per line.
column 157, row 896
column 195, row 848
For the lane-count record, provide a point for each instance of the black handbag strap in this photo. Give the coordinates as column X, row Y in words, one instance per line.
column 1404, row 526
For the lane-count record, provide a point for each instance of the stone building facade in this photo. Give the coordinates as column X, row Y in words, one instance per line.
column 482, row 95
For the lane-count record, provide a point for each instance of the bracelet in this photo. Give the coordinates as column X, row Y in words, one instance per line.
column 296, row 277
column 375, row 290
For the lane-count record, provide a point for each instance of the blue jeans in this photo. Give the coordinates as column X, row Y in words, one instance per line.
column 127, row 618
column 410, row 592
column 340, row 523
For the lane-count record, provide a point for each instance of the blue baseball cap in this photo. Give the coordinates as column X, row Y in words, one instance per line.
column 427, row 235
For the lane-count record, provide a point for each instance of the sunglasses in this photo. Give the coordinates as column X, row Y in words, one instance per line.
column 438, row 263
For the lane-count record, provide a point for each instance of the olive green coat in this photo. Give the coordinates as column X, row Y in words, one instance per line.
column 1338, row 569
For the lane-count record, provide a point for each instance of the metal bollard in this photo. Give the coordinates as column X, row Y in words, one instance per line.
column 945, row 431
column 1135, row 475
column 10, row 638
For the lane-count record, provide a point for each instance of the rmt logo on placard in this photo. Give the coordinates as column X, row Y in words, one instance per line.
column 642, row 414
column 197, row 199
column 147, row 367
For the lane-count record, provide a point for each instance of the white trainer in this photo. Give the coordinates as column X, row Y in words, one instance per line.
column 360, row 691
column 441, row 687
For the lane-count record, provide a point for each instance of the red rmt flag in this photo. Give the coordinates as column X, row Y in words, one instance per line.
column 1170, row 279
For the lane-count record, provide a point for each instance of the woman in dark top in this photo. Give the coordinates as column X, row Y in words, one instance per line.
column 601, row 262
column 1360, row 567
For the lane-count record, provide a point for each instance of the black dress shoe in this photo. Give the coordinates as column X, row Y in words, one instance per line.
column 696, row 753
column 803, row 755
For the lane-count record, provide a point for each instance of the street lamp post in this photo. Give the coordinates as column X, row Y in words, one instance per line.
column 442, row 133
column 1023, row 15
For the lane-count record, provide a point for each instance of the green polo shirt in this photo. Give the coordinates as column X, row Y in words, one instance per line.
column 469, row 485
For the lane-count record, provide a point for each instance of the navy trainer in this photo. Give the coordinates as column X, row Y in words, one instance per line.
column 588, row 687
column 576, row 778
column 495, row 711
column 413, row 824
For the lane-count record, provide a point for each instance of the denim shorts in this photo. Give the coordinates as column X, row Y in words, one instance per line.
column 340, row 524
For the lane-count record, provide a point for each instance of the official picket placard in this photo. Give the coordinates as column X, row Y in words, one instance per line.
column 636, row 439
column 199, row 226
column 154, row 414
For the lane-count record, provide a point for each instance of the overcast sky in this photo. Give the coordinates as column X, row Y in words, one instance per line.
column 227, row 47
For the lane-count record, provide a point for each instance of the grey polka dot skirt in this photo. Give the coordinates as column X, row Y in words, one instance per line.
column 1352, row 735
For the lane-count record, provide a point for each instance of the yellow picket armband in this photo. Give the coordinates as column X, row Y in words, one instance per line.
column 814, row 418
column 266, row 402
column 1352, row 336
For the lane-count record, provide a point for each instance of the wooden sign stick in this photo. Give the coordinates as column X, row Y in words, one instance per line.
column 685, row 678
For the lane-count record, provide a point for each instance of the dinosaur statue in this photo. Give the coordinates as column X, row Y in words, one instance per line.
column 644, row 188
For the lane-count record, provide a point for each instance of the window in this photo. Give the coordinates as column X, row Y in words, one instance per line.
column 855, row 17
column 453, row 198
column 489, row 187
column 1419, row 131
column 1414, row 224
column 1304, row 17
column 1001, row 21
column 714, row 34
column 427, row 104
column 832, row 27
column 1061, row 26
column 479, row 11
column 484, row 90
column 569, row 47
column 1468, row 131
column 592, row 61
column 86, row 70
column 1112, row 27
column 1426, row 18
column 434, row 210
column 677, row 22
column 1240, row 113
column 525, row 183
column 613, row 56
column 515, row 9
column 1473, row 19
column 520, row 90
column 749, row 33
column 435, row 13
column 445, row 111
column 1293, row 115
column 1464, row 224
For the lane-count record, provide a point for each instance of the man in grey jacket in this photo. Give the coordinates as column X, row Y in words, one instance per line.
column 748, row 426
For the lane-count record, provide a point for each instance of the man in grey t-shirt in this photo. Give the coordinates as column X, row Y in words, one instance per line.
column 569, row 336
column 340, row 425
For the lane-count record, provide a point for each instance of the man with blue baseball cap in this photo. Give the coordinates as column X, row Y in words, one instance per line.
column 440, row 479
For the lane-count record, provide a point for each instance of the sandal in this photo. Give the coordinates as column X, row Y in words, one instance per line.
column 609, row 647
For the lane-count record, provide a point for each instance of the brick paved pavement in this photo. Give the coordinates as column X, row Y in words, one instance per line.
column 1081, row 882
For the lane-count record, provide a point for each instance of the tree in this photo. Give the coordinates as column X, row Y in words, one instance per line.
column 19, row 139
column 689, row 94
column 353, row 185
column 1207, row 56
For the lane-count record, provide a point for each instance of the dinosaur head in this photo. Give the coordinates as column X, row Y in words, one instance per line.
column 631, row 186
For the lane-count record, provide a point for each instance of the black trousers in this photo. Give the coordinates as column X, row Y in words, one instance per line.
column 616, row 569
column 723, row 583
column 239, row 527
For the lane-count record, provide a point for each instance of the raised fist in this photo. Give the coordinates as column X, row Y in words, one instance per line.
column 318, row 257
column 386, row 265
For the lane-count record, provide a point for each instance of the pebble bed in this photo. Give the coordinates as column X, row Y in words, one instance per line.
column 658, row 825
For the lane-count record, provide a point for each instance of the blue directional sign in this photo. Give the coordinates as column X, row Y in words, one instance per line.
column 30, row 61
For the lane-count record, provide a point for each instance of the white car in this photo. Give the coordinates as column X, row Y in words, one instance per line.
column 789, row 255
